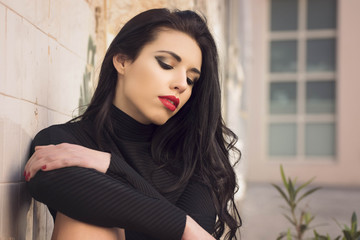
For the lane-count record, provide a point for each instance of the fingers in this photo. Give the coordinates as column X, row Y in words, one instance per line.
column 38, row 161
column 50, row 157
column 43, row 146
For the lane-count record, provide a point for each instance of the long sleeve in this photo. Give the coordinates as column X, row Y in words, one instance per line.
column 197, row 203
column 93, row 197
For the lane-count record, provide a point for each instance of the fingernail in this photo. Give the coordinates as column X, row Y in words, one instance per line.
column 43, row 167
column 24, row 173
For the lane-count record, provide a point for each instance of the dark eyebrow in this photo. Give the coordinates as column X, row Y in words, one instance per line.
column 178, row 58
column 174, row 55
column 195, row 70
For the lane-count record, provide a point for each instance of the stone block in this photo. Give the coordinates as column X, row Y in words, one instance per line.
column 23, row 209
column 65, row 77
column 35, row 65
column 57, row 118
column 9, row 207
column 11, row 84
column 41, row 229
column 33, row 119
column 2, row 46
column 34, row 11
column 10, row 140
column 71, row 23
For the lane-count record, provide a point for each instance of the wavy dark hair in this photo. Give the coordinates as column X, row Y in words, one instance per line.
column 196, row 138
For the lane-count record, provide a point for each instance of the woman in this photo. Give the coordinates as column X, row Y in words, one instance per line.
column 151, row 153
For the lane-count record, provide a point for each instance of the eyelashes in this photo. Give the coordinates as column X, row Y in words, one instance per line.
column 189, row 81
column 165, row 66
column 162, row 64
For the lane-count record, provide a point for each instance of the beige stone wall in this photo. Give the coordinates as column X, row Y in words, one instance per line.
column 44, row 74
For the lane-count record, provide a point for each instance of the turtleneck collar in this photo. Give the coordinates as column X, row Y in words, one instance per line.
column 127, row 128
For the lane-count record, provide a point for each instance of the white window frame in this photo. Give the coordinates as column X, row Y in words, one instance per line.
column 301, row 35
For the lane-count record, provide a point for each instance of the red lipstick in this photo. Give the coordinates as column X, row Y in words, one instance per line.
column 171, row 102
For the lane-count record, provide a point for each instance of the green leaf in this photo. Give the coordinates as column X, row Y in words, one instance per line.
column 316, row 235
column 308, row 193
column 303, row 185
column 347, row 235
column 295, row 180
column 347, row 228
column 282, row 193
column 289, row 219
column 353, row 223
column 281, row 235
column 354, row 218
column 291, row 191
column 308, row 218
column 303, row 227
column 321, row 237
column 288, row 235
column 283, row 176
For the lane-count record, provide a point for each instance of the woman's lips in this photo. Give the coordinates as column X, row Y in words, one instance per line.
column 171, row 102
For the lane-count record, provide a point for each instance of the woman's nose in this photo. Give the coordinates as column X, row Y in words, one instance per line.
column 180, row 82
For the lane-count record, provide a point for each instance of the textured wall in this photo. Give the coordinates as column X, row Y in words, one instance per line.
column 43, row 67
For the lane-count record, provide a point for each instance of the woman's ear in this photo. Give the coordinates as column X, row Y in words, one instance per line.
column 119, row 61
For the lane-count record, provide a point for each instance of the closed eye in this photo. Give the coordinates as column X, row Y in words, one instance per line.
column 163, row 65
column 190, row 82
column 166, row 66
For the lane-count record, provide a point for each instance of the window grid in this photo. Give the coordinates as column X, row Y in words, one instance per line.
column 301, row 76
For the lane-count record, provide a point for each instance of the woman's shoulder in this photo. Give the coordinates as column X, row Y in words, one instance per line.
column 59, row 133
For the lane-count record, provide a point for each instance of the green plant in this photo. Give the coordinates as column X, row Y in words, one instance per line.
column 350, row 233
column 323, row 237
column 300, row 221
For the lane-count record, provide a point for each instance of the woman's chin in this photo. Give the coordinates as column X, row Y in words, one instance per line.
column 161, row 120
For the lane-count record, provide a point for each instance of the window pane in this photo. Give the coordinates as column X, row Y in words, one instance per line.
column 283, row 56
column 321, row 14
column 320, row 55
column 320, row 97
column 283, row 98
column 282, row 139
column 320, row 139
column 284, row 15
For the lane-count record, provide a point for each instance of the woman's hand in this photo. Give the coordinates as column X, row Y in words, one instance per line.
column 62, row 155
column 194, row 231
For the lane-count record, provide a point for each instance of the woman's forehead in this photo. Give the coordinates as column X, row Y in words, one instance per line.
column 178, row 42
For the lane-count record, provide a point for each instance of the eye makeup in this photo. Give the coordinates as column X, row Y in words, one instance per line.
column 161, row 61
column 162, row 64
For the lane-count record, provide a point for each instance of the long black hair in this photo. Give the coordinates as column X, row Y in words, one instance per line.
column 196, row 138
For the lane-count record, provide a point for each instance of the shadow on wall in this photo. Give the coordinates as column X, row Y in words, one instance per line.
column 86, row 89
column 14, row 198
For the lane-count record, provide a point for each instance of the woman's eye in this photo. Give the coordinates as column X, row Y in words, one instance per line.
column 163, row 65
column 189, row 81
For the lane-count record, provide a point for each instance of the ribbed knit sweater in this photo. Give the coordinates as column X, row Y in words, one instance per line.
column 129, row 195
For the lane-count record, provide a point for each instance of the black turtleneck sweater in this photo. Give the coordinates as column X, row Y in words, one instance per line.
column 129, row 195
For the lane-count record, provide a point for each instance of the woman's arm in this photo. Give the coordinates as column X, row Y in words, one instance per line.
column 197, row 202
column 50, row 157
column 93, row 197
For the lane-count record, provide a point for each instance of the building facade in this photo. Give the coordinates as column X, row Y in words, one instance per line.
column 303, row 90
